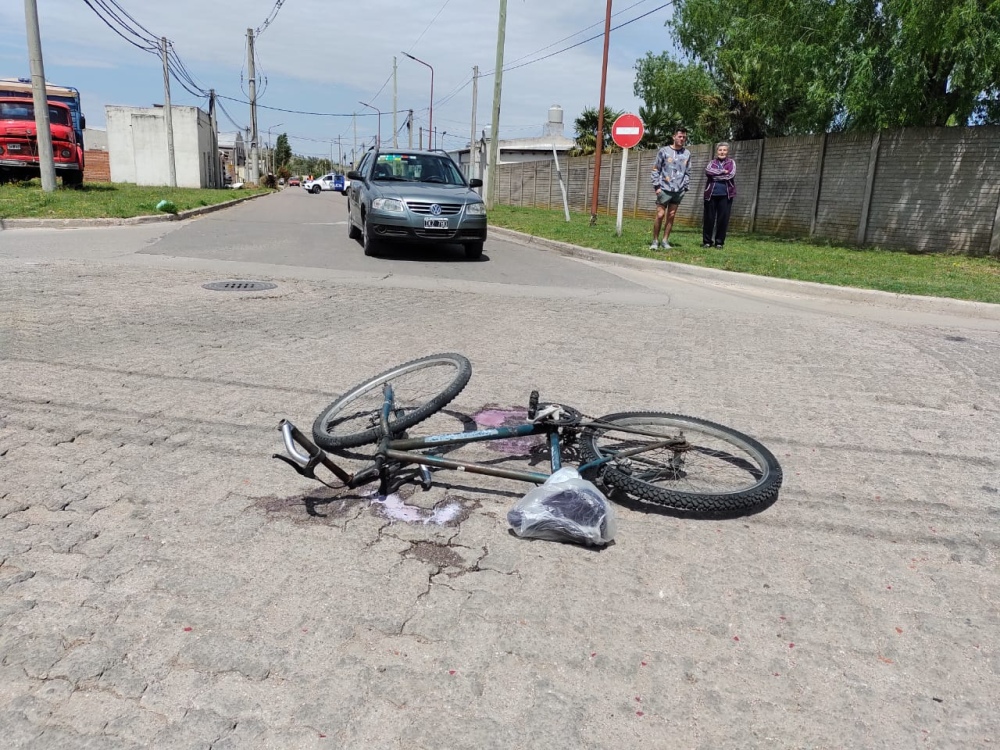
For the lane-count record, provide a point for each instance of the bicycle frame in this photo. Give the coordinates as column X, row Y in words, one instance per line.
column 403, row 451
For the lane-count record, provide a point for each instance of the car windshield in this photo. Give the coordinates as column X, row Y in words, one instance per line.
column 417, row 168
column 26, row 111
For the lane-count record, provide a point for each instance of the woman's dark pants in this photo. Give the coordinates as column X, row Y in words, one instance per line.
column 716, row 218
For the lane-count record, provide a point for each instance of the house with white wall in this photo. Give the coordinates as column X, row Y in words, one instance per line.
column 137, row 146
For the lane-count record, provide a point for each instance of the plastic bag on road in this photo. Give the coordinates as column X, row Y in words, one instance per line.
column 567, row 508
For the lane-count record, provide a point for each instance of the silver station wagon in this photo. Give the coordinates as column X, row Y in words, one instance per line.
column 414, row 196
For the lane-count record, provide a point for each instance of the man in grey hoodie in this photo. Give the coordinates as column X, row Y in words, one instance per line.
column 671, row 177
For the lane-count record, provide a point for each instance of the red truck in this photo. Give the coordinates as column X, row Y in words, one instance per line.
column 19, row 142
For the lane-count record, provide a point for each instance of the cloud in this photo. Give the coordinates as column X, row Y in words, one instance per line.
column 325, row 56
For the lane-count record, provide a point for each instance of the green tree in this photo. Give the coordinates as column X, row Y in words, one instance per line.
column 769, row 63
column 802, row 66
column 675, row 94
column 282, row 151
column 919, row 62
column 586, row 131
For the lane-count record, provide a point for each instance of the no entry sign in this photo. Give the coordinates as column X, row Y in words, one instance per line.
column 627, row 131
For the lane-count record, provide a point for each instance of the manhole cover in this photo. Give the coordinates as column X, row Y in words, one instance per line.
column 239, row 286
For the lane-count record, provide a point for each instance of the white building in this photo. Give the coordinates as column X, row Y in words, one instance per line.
column 137, row 146
column 536, row 148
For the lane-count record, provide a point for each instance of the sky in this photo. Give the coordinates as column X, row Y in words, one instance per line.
column 326, row 56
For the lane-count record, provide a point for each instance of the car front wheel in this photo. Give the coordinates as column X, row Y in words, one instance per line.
column 315, row 189
column 367, row 240
column 473, row 250
column 352, row 231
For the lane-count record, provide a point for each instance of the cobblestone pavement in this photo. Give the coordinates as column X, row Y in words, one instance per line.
column 164, row 584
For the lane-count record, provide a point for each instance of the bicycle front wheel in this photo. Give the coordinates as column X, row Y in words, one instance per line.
column 708, row 468
column 420, row 388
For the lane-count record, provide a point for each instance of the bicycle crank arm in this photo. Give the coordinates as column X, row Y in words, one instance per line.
column 306, row 463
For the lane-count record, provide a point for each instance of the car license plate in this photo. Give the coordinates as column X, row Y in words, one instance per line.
column 14, row 147
column 435, row 223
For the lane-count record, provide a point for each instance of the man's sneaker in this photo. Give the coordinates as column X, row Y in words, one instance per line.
column 706, row 244
column 655, row 245
column 665, row 246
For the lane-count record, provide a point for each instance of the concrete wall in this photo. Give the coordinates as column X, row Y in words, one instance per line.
column 137, row 144
column 921, row 189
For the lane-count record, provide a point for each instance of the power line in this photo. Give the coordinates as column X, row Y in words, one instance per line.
column 581, row 31
column 270, row 17
column 588, row 39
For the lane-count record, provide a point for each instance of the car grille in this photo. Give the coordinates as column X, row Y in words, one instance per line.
column 424, row 207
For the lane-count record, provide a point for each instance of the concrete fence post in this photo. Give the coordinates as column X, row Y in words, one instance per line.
column 869, row 184
column 638, row 183
column 995, row 236
column 819, row 184
column 756, row 190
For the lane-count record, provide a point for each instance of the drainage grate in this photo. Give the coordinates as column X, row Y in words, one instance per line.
column 239, row 286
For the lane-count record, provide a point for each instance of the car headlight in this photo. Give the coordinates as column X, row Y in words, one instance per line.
column 391, row 205
column 65, row 153
column 476, row 209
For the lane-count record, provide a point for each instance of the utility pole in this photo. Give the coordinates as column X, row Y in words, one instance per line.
column 420, row 143
column 168, row 119
column 354, row 153
column 472, row 137
column 409, row 126
column 340, row 154
column 600, row 121
column 43, row 129
column 252, row 74
column 495, row 126
column 215, row 175
column 395, row 142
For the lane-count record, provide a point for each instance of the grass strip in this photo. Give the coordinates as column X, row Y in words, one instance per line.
column 930, row 274
column 26, row 200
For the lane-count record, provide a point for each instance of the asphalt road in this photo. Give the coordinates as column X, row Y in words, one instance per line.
column 164, row 583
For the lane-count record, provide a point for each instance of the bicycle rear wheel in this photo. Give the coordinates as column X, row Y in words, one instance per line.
column 420, row 388
column 715, row 469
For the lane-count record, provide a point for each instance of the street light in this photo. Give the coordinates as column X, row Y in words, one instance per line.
column 270, row 153
column 430, row 124
column 378, row 138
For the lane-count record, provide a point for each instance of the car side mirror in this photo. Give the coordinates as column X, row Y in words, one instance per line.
column 354, row 175
column 475, row 182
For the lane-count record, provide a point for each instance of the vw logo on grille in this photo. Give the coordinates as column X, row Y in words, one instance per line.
column 435, row 209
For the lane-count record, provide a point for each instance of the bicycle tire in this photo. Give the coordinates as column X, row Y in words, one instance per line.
column 337, row 427
column 753, row 471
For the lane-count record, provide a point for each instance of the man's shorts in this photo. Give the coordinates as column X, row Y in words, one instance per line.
column 666, row 197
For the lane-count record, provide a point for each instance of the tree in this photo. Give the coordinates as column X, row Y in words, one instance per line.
column 804, row 66
column 769, row 63
column 282, row 151
column 675, row 95
column 586, row 131
column 919, row 63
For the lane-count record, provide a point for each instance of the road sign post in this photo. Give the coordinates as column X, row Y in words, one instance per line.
column 626, row 133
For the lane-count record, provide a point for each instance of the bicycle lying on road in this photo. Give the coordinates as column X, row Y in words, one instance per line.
column 655, row 457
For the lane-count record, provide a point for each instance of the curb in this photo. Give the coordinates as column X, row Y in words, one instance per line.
column 112, row 222
column 913, row 302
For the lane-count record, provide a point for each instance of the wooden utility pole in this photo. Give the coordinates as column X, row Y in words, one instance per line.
column 43, row 128
column 215, row 176
column 599, row 146
column 494, row 175
column 168, row 119
column 409, row 126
